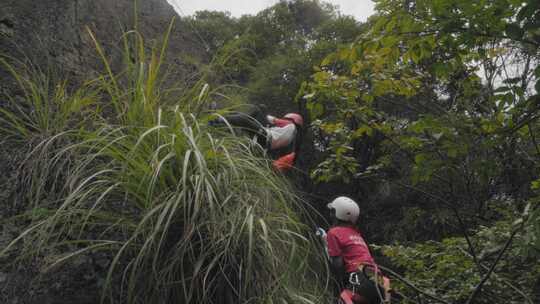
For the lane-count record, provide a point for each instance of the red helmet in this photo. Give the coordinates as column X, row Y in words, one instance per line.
column 297, row 118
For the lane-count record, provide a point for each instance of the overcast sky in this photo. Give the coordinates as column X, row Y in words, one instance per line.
column 361, row 9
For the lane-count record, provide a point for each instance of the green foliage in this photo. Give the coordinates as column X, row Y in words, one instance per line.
column 447, row 267
column 181, row 211
column 44, row 108
column 421, row 52
column 532, row 228
column 438, row 99
column 274, row 52
column 214, row 28
column 161, row 196
column 440, row 267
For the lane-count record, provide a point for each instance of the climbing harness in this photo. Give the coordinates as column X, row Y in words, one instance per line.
column 365, row 282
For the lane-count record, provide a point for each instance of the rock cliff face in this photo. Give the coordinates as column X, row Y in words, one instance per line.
column 54, row 31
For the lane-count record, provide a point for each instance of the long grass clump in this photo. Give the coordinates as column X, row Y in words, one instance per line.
column 183, row 212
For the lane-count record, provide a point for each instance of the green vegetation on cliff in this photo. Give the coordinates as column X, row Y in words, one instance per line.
column 126, row 169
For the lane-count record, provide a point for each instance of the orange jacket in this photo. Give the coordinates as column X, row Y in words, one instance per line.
column 285, row 162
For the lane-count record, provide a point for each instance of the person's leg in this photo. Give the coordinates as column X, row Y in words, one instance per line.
column 244, row 121
column 250, row 121
column 371, row 292
column 252, row 118
column 251, row 126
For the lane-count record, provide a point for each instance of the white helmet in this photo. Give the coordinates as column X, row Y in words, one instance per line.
column 346, row 209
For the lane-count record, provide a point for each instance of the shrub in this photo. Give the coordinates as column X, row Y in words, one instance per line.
column 183, row 212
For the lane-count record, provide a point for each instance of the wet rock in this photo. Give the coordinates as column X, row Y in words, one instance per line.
column 54, row 33
column 6, row 25
column 3, row 277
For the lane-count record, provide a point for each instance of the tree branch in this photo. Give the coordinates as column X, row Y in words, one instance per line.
column 462, row 225
column 412, row 286
column 502, row 280
column 533, row 138
column 492, row 268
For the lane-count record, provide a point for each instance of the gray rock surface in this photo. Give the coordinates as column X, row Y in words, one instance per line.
column 53, row 33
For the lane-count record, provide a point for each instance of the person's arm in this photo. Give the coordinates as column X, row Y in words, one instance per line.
column 270, row 119
column 337, row 264
column 334, row 251
column 278, row 122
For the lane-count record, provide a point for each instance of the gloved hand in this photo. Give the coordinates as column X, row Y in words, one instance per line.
column 320, row 232
column 215, row 122
column 270, row 119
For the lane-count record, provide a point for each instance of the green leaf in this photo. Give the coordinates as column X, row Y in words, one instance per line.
column 321, row 76
column 390, row 25
column 344, row 53
column 328, row 60
column 389, row 40
column 365, row 129
column 420, row 158
column 412, row 142
column 316, row 109
column 416, row 53
column 309, row 96
column 368, row 98
column 438, row 135
column 452, row 152
column 441, row 69
column 502, row 89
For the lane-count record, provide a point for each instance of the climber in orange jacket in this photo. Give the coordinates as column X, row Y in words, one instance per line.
column 281, row 138
column 284, row 139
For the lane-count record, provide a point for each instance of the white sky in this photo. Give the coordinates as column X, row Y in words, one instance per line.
column 360, row 9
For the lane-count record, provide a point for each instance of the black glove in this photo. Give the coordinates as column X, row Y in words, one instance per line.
column 215, row 122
